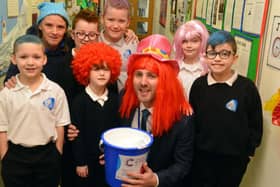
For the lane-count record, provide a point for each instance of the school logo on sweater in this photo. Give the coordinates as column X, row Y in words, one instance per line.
column 232, row 105
column 49, row 103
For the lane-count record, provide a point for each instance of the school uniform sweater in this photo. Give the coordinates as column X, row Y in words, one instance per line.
column 228, row 119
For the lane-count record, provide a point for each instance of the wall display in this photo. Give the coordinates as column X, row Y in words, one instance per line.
column 244, row 47
column 237, row 14
column 174, row 19
column 218, row 12
column 12, row 8
column 253, row 14
column 228, row 15
column 274, row 49
column 163, row 11
column 199, row 5
column 182, row 7
column 209, row 12
column 189, row 9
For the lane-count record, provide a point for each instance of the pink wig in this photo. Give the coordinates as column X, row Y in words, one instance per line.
column 95, row 54
column 169, row 102
column 187, row 31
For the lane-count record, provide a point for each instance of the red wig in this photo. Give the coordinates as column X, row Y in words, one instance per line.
column 95, row 54
column 169, row 102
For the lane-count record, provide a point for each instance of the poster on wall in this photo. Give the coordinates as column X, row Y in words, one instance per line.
column 237, row 14
column 253, row 16
column 163, row 11
column 218, row 14
column 274, row 49
column 209, row 12
column 244, row 47
column 173, row 17
column 228, row 15
column 12, row 8
column 183, row 10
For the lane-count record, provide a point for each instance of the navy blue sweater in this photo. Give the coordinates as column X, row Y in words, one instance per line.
column 221, row 130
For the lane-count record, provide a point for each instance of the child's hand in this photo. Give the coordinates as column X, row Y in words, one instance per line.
column 130, row 37
column 72, row 132
column 82, row 171
column 3, row 153
column 11, row 83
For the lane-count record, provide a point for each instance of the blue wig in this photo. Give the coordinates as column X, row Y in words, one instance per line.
column 221, row 37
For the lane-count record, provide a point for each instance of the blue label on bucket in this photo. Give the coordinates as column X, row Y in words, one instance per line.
column 129, row 163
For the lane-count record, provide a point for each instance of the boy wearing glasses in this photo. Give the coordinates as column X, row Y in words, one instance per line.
column 228, row 117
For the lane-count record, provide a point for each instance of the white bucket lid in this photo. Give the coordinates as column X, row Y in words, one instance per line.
column 127, row 138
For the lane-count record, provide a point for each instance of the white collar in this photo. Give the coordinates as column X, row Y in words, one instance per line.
column 230, row 81
column 142, row 107
column 43, row 85
column 100, row 99
column 191, row 67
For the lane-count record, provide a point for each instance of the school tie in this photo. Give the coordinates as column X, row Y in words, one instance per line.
column 145, row 115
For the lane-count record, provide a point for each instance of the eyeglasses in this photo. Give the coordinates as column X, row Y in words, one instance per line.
column 223, row 54
column 82, row 35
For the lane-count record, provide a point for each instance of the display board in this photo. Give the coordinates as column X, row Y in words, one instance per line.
column 245, row 20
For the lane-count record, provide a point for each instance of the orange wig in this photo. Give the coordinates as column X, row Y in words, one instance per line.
column 169, row 102
column 95, row 54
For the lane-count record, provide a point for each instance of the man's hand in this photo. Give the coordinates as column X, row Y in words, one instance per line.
column 145, row 179
column 101, row 160
column 130, row 37
column 11, row 83
column 72, row 132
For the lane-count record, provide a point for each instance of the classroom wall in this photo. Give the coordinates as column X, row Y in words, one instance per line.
column 264, row 169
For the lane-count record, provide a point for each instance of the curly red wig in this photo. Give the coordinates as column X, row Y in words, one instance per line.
column 170, row 102
column 95, row 54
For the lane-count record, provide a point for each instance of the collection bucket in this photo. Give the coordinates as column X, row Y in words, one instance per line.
column 125, row 149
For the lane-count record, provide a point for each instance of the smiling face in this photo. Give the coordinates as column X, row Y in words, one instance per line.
column 191, row 48
column 53, row 28
column 221, row 67
column 145, row 86
column 30, row 59
column 84, row 33
column 116, row 21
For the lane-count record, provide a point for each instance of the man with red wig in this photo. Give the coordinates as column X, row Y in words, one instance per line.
column 152, row 86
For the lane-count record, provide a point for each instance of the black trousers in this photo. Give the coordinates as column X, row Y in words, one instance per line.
column 38, row 166
column 215, row 170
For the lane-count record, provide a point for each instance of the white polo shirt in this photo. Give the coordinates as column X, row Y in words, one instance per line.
column 125, row 51
column 30, row 118
column 188, row 73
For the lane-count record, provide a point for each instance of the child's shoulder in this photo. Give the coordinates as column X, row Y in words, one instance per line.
column 201, row 80
column 242, row 80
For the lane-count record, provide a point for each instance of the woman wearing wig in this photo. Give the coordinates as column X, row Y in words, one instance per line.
column 152, row 85
column 189, row 46
column 95, row 110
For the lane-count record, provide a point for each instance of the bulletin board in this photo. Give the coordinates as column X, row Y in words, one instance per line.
column 245, row 20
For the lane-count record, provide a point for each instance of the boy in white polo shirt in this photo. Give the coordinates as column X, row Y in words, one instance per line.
column 32, row 116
